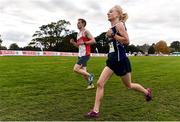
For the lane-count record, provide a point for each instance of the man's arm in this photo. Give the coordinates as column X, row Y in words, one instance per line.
column 73, row 42
column 90, row 37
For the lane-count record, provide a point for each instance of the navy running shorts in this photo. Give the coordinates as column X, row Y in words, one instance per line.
column 83, row 60
column 121, row 67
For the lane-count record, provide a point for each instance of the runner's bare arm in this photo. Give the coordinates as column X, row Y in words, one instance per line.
column 73, row 42
column 123, row 37
column 90, row 37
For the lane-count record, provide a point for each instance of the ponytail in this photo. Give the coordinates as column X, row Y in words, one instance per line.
column 122, row 16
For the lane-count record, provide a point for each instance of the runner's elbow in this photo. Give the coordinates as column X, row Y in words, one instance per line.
column 126, row 41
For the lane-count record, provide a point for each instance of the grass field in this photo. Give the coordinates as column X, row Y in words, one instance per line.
column 46, row 88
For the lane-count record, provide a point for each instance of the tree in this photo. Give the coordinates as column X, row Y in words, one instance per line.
column 51, row 35
column 0, row 41
column 144, row 48
column 65, row 45
column 2, row 47
column 30, row 48
column 151, row 49
column 14, row 46
column 101, row 43
column 161, row 47
column 175, row 46
column 132, row 48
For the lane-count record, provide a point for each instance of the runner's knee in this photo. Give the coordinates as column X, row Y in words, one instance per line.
column 75, row 69
column 129, row 86
column 100, row 84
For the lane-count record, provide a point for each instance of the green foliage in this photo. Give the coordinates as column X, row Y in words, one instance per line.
column 132, row 48
column 65, row 45
column 2, row 47
column 46, row 89
column 151, row 49
column 32, row 48
column 0, row 41
column 52, row 34
column 102, row 43
column 14, row 46
column 143, row 48
column 175, row 46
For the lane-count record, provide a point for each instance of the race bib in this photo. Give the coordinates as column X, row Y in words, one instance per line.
column 111, row 47
column 82, row 50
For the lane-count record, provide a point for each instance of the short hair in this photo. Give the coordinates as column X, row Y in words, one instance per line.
column 83, row 21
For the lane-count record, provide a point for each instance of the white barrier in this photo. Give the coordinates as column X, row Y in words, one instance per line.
column 50, row 53
column 42, row 53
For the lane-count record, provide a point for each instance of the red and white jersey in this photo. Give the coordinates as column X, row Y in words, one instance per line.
column 84, row 49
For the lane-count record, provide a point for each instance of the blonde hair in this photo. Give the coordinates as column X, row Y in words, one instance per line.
column 122, row 16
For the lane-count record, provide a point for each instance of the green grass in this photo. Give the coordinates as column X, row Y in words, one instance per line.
column 46, row 88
